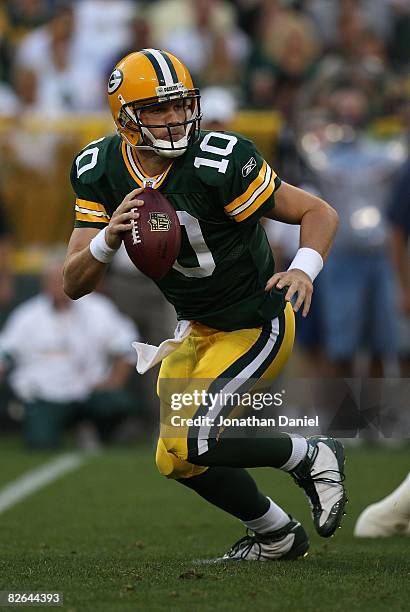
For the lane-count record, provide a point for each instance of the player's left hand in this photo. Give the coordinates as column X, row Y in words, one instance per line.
column 297, row 282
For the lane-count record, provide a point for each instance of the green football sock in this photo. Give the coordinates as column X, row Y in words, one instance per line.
column 246, row 453
column 230, row 489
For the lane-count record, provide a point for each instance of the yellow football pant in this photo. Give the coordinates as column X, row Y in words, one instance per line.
column 207, row 358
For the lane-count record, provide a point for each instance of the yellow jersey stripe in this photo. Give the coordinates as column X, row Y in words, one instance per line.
column 79, row 216
column 140, row 168
column 138, row 174
column 163, row 177
column 129, row 167
column 257, row 203
column 255, row 195
column 95, row 206
column 87, row 211
column 250, row 190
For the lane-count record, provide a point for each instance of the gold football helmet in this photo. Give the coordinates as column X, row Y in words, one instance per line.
column 148, row 78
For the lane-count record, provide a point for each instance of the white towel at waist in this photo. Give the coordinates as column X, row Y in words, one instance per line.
column 148, row 355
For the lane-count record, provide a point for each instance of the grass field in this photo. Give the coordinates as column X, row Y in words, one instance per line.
column 114, row 535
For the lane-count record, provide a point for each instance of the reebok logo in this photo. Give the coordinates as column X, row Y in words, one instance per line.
column 248, row 167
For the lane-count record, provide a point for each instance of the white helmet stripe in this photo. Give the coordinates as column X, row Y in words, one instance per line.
column 163, row 65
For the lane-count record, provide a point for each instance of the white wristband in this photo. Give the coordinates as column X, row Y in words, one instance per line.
column 309, row 261
column 100, row 249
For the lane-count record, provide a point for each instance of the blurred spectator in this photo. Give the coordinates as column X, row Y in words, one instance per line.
column 218, row 107
column 27, row 15
column 355, row 173
column 354, row 38
column 68, row 360
column 51, row 78
column 357, row 54
column 166, row 16
column 140, row 38
column 326, row 13
column 103, row 29
column 248, row 12
column 284, row 55
column 207, row 38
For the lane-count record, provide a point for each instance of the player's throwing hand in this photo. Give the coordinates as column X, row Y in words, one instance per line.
column 121, row 218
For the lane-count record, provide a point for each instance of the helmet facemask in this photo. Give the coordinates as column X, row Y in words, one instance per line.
column 139, row 136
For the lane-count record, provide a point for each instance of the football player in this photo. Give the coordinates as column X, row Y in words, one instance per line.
column 224, row 283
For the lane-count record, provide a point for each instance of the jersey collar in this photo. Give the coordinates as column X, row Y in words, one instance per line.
column 136, row 171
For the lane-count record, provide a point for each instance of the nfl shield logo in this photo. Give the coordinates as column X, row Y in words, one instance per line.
column 159, row 222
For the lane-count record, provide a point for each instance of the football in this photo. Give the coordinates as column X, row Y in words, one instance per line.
column 154, row 241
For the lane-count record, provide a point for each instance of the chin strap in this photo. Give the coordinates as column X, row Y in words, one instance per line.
column 164, row 148
column 169, row 153
column 164, row 152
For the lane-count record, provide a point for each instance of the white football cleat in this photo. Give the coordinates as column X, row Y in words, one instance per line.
column 378, row 522
column 321, row 476
column 388, row 517
column 285, row 544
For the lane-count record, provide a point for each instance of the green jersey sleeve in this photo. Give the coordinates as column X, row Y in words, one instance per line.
column 244, row 181
column 86, row 171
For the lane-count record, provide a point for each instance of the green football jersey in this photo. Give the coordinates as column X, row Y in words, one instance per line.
column 220, row 188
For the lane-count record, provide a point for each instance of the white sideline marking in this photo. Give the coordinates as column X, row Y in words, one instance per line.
column 38, row 478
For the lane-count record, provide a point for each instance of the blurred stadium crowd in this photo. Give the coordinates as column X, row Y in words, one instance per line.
column 321, row 86
column 266, row 51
